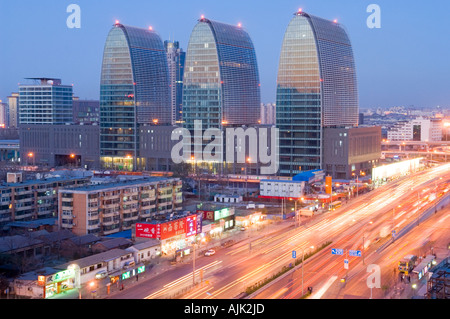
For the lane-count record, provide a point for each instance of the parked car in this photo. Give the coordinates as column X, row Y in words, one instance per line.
column 101, row 274
column 210, row 252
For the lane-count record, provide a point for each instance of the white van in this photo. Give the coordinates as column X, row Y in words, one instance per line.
column 101, row 274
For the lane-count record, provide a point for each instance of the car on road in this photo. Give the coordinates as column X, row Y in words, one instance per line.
column 210, row 252
column 243, row 228
column 101, row 274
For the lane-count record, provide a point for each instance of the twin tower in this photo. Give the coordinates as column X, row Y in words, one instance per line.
column 316, row 86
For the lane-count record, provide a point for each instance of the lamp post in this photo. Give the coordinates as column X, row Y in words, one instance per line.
column 196, row 175
column 303, row 259
column 77, row 278
column 418, row 203
column 246, row 175
column 393, row 212
column 30, row 156
column 91, row 287
column 297, row 216
column 72, row 157
column 193, row 260
column 193, row 265
column 128, row 158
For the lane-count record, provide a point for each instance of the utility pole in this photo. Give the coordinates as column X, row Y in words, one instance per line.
column 193, row 267
column 303, row 265
column 363, row 252
column 357, row 186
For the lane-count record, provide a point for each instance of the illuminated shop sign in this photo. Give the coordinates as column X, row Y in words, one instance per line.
column 126, row 275
column 141, row 269
column 60, row 276
column 217, row 214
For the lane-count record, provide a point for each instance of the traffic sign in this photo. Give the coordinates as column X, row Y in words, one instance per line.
column 294, row 254
column 337, row 251
column 346, row 263
column 354, row 253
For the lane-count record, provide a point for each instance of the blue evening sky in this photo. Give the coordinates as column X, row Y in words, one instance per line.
column 406, row 62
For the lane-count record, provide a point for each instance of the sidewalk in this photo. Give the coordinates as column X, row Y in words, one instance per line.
column 100, row 290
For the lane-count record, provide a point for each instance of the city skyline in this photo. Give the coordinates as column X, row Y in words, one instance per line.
column 383, row 56
column 236, row 151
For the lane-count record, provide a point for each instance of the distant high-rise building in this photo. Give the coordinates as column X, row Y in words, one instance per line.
column 221, row 79
column 316, row 88
column 13, row 103
column 134, row 91
column 175, row 58
column 45, row 102
column 86, row 112
column 4, row 115
column 361, row 119
column 419, row 129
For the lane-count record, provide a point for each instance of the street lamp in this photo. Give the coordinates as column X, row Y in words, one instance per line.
column 193, row 259
column 77, row 279
column 303, row 259
column 393, row 212
column 128, row 157
column 246, row 175
column 31, row 156
column 92, row 286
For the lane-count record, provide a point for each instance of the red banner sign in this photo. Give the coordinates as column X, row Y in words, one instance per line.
column 187, row 225
column 148, row 230
column 173, row 228
column 208, row 215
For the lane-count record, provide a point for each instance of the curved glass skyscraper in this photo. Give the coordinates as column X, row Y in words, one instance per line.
column 221, row 84
column 316, row 88
column 221, row 80
column 134, row 90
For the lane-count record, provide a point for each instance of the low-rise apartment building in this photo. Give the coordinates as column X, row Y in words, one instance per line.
column 109, row 208
column 33, row 199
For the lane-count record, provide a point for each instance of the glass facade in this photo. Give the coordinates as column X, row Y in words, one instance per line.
column 221, row 80
column 45, row 104
column 134, row 90
column 176, row 58
column 316, row 88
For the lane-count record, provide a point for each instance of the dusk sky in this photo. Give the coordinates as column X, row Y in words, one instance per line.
column 406, row 62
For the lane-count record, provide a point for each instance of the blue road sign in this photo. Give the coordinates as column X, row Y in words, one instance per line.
column 337, row 251
column 354, row 253
column 294, row 254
